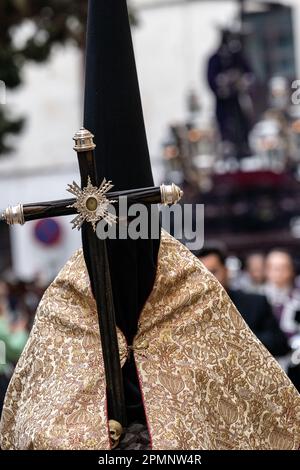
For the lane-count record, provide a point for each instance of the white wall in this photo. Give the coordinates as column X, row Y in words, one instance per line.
column 51, row 100
column 30, row 257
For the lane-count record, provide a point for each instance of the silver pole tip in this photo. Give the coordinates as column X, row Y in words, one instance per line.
column 13, row 215
column 170, row 194
column 84, row 140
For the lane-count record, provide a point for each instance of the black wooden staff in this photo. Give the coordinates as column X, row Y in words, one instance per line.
column 97, row 263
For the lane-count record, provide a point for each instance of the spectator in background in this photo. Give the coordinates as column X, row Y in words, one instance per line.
column 254, row 308
column 281, row 291
column 253, row 279
column 14, row 335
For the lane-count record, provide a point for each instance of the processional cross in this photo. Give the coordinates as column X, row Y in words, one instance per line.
column 91, row 204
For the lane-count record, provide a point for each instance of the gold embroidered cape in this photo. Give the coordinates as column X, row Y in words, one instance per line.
column 207, row 382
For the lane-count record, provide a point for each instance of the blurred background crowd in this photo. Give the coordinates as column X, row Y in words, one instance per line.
column 222, row 110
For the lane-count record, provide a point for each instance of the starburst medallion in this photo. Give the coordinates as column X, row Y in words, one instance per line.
column 92, row 204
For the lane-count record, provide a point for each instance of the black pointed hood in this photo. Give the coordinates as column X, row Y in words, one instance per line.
column 113, row 113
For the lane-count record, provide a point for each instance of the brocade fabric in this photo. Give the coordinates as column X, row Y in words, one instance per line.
column 207, row 382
